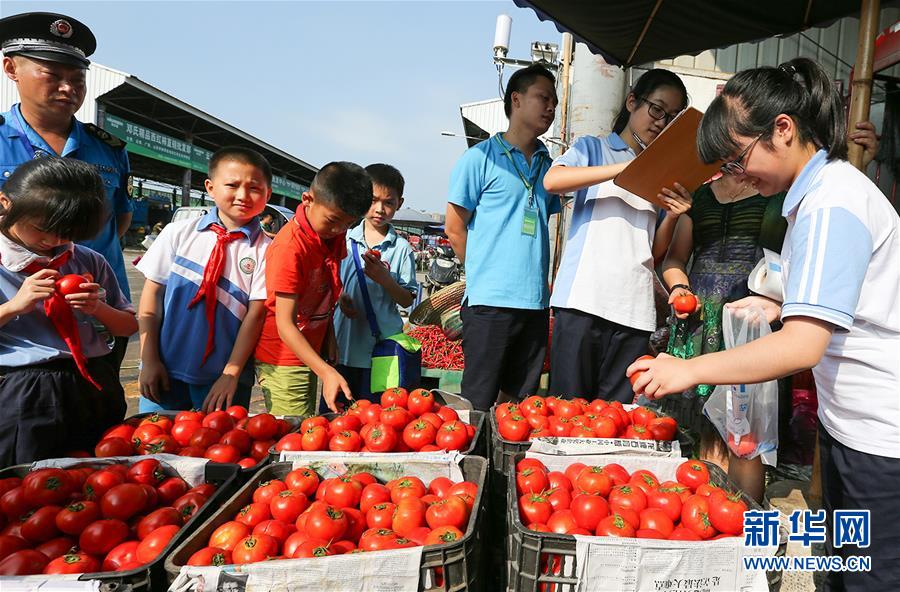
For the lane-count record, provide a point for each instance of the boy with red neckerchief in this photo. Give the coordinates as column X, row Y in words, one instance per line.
column 303, row 283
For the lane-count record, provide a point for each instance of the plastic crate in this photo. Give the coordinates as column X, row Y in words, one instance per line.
column 528, row 547
column 458, row 561
column 152, row 577
column 243, row 474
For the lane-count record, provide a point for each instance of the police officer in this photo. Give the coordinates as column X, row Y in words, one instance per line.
column 45, row 54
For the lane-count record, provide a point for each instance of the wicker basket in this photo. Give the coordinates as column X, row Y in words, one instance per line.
column 430, row 310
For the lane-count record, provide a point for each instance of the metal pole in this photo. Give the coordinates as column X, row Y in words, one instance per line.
column 568, row 47
column 186, row 179
column 861, row 87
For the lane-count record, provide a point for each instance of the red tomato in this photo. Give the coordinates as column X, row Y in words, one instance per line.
column 315, row 438
column 204, row 489
column 313, row 548
column 293, row 543
column 637, row 432
column 171, row 489
column 726, row 512
column 409, row 515
column 266, row 490
column 121, row 554
column 633, row 378
column 57, row 547
column 70, row 284
column 446, row 413
column 75, row 563
column 147, row 471
column 228, row 534
column 588, row 510
column 164, row 423
column 645, row 480
column 686, row 303
column 381, row 438
column 277, row 529
column 192, row 451
column 692, row 473
column 378, row 539
column 328, row 523
column 10, row 544
column 223, row 453
column 663, row 428
column 23, row 563
column 695, row 516
column 440, row 486
column 444, row 535
column 101, row 536
column 617, row 473
column 373, row 494
column 419, row 433
column 560, row 499
column 239, row 439
column 371, row 413
column 205, row 437
column 123, row 430
column 219, row 421
column 259, row 450
column 96, row 486
column 288, row 505
column 254, row 513
column 593, row 480
column 534, row 507
column 562, row 522
column 189, row 416
column 746, row 447
column 237, row 412
column 683, row 534
column 155, row 543
column 293, row 441
column 573, row 470
column 188, row 504
column 343, row 492
column 396, row 417
column 303, row 480
column 344, row 423
column 123, row 501
column 144, row 434
column 616, row 526
column 451, row 511
column 396, row 397
column 345, row 442
column 628, row 497
column 113, row 447
column 41, row 525
column 666, row 500
column 658, row 520
column 262, row 427
column 47, row 486
column 531, row 480
column 210, row 555
column 452, row 436
column 420, row 402
column 514, row 428
column 162, row 444
column 406, row 487
column 166, row 516
column 380, row 515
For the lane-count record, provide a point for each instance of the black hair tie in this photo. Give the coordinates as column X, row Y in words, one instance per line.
column 789, row 69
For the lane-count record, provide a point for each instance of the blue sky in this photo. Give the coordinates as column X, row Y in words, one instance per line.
column 361, row 81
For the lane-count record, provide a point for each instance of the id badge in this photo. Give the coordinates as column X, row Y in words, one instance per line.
column 530, row 221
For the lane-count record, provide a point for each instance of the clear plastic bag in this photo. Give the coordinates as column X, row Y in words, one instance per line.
column 746, row 415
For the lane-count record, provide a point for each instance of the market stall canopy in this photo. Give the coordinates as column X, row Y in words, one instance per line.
column 411, row 216
column 630, row 32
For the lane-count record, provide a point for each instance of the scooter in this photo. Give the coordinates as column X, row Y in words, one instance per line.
column 443, row 270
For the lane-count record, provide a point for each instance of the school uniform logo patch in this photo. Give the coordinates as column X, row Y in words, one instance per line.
column 247, row 265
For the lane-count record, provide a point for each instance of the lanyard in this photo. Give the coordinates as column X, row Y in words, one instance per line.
column 17, row 125
column 529, row 187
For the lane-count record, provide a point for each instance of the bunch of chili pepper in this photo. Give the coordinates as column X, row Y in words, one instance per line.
column 437, row 350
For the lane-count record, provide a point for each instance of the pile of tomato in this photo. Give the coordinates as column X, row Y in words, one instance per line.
column 608, row 501
column 302, row 516
column 544, row 417
column 85, row 519
column 229, row 436
column 402, row 422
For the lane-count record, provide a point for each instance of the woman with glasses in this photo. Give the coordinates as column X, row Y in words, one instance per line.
column 840, row 312
column 603, row 298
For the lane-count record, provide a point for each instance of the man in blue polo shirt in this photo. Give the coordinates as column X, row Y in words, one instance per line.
column 497, row 222
column 46, row 54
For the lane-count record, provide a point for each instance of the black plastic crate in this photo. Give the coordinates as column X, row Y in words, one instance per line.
column 459, row 561
column 529, row 548
column 152, row 577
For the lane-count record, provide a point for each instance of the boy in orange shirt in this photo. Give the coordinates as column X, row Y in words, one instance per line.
column 303, row 285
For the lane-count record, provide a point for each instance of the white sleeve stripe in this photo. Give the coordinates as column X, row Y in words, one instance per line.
column 822, row 243
column 835, row 317
column 804, row 279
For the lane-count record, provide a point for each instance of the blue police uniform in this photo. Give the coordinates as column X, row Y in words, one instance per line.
column 20, row 143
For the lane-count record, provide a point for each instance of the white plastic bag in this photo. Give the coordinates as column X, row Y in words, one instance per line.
column 746, row 415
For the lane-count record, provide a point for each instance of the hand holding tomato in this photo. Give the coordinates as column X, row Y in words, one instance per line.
column 36, row 288
column 80, row 293
column 376, row 269
column 663, row 375
column 684, row 302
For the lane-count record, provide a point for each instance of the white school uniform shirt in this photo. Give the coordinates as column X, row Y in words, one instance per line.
column 607, row 265
column 841, row 261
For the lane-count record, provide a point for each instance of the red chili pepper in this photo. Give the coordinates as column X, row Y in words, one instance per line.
column 437, row 350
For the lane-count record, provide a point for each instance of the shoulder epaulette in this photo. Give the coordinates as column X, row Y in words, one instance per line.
column 104, row 136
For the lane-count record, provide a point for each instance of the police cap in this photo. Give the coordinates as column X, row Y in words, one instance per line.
column 47, row 36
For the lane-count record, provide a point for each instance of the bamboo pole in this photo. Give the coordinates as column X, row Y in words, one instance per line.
column 861, row 87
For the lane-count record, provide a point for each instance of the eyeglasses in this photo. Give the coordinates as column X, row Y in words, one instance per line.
column 657, row 111
column 736, row 166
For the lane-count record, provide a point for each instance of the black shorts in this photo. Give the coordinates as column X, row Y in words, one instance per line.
column 589, row 356
column 853, row 480
column 50, row 410
column 504, row 350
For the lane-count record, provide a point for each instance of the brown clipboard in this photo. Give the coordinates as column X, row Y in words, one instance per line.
column 672, row 156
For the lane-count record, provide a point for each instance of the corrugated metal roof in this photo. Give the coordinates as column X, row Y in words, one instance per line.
column 487, row 115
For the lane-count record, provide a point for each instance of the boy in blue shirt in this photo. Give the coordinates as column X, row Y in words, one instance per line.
column 203, row 302
column 390, row 280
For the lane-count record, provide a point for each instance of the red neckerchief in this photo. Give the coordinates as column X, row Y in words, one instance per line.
column 211, row 274
column 59, row 311
column 332, row 251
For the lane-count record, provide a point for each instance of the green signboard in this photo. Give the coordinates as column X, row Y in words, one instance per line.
column 158, row 146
